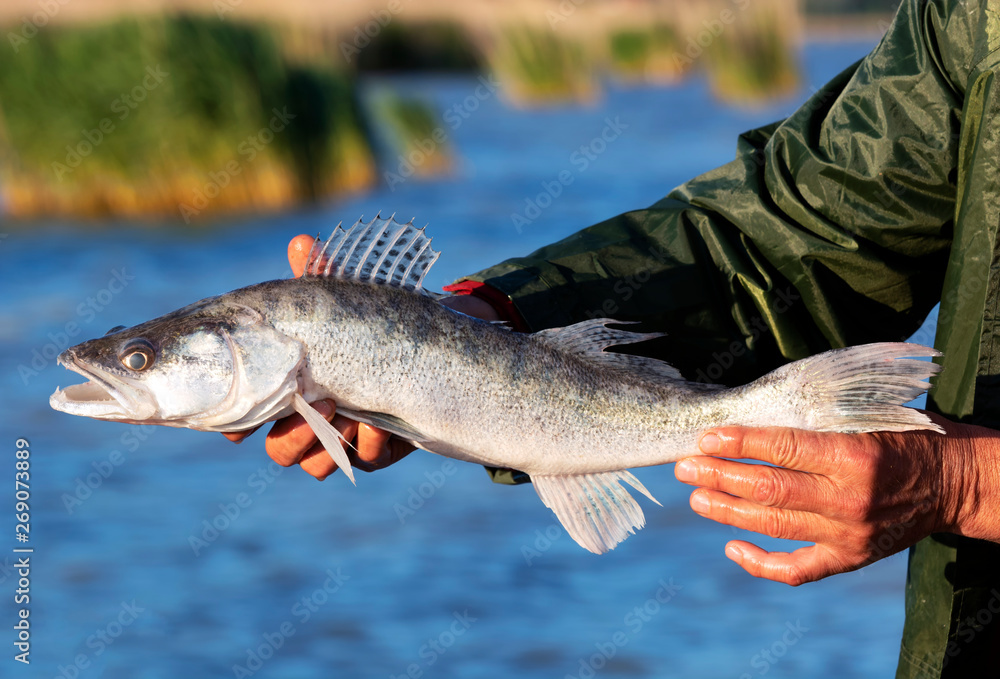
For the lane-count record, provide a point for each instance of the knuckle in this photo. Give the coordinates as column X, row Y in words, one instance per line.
column 857, row 507
column 280, row 454
column 785, row 445
column 770, row 488
column 796, row 575
column 773, row 523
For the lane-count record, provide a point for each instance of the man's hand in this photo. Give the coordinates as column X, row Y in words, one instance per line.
column 857, row 497
column 291, row 441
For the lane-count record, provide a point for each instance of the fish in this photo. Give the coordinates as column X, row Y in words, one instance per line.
column 359, row 328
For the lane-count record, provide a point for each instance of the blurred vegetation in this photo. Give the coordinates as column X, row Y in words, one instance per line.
column 268, row 114
column 412, row 134
column 647, row 53
column 751, row 61
column 538, row 65
column 422, row 46
column 174, row 115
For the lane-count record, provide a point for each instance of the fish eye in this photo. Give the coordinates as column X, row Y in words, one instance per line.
column 114, row 330
column 138, row 355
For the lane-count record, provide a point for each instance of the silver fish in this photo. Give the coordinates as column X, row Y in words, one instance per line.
column 359, row 328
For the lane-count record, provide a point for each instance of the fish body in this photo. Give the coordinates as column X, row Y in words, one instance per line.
column 359, row 329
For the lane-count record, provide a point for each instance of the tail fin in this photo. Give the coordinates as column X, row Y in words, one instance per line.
column 860, row 389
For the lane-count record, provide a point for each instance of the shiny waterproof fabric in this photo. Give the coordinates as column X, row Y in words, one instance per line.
column 841, row 225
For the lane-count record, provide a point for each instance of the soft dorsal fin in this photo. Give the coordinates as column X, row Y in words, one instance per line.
column 589, row 339
column 379, row 251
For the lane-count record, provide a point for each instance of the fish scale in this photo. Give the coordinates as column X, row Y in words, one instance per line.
column 360, row 329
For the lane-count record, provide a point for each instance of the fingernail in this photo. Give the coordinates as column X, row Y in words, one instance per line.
column 324, row 408
column 735, row 553
column 686, row 471
column 710, row 443
column 700, row 503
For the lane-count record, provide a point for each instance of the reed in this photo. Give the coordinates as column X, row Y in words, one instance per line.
column 753, row 60
column 647, row 54
column 190, row 115
column 412, row 135
column 173, row 115
column 540, row 66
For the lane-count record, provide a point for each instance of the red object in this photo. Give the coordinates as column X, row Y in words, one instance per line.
column 496, row 299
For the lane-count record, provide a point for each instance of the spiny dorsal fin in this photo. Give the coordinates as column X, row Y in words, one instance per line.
column 589, row 339
column 379, row 251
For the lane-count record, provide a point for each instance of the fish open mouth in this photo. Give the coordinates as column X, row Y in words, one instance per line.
column 102, row 396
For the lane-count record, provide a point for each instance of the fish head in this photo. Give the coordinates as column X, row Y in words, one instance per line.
column 212, row 366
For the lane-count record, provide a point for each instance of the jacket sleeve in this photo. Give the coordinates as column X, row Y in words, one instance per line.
column 830, row 228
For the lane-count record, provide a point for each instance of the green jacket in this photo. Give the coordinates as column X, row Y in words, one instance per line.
column 844, row 224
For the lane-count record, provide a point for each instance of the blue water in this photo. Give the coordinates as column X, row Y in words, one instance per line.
column 472, row 579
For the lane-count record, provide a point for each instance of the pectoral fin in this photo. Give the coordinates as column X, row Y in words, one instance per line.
column 389, row 423
column 594, row 509
column 326, row 433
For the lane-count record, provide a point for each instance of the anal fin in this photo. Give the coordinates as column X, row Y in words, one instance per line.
column 595, row 509
column 326, row 433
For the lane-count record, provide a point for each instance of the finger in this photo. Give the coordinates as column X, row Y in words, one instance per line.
column 796, row 568
column 317, row 461
column 291, row 437
column 398, row 449
column 762, row 484
column 377, row 449
column 238, row 436
column 373, row 444
column 298, row 253
column 778, row 523
column 808, row 451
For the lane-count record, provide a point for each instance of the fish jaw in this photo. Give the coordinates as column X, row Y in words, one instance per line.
column 103, row 396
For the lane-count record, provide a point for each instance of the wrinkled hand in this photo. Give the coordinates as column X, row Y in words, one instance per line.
column 857, row 497
column 291, row 441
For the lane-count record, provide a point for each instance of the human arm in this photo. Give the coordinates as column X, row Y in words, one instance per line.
column 832, row 228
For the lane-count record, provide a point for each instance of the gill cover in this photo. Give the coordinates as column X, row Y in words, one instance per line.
column 265, row 366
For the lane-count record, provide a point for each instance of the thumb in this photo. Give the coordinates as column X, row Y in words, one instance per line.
column 298, row 253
